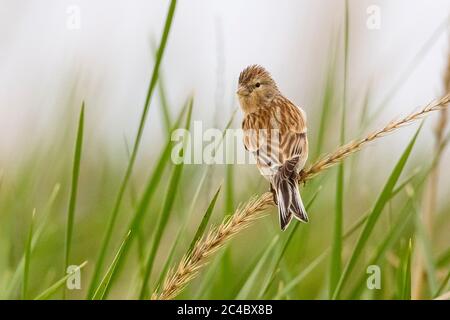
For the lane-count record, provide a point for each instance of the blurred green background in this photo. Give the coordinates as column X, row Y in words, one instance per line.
column 349, row 78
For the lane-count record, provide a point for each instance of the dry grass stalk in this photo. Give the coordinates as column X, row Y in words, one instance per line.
column 206, row 246
column 354, row 146
column 431, row 192
column 190, row 265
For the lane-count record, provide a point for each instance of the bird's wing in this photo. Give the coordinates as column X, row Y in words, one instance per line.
column 293, row 129
column 276, row 134
column 261, row 141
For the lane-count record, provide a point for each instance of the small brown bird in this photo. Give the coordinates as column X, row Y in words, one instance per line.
column 275, row 133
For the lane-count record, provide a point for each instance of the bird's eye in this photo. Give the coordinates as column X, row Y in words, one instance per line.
column 258, row 85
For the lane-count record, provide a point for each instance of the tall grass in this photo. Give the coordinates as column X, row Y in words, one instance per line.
column 173, row 239
column 137, row 141
column 336, row 252
column 74, row 189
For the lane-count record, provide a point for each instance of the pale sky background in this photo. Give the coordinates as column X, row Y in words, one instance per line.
column 110, row 57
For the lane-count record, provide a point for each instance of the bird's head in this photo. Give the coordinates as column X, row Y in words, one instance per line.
column 256, row 88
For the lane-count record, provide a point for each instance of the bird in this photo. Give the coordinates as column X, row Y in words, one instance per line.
column 275, row 133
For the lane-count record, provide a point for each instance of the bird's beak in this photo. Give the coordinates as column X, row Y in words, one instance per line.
column 242, row 91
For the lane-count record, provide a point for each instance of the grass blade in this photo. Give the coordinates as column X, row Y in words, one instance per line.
column 293, row 231
column 399, row 226
column 205, row 220
column 146, row 198
column 336, row 251
column 74, row 188
column 328, row 96
column 391, row 238
column 26, row 268
column 58, row 284
column 208, row 282
column 406, row 273
column 103, row 286
column 207, row 173
column 137, row 141
column 443, row 259
column 181, row 231
column 229, row 188
column 165, row 108
column 165, row 213
column 305, row 272
column 291, row 285
column 253, row 277
column 15, row 279
column 164, row 105
column 374, row 215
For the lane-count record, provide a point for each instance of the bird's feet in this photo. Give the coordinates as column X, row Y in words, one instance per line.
column 301, row 177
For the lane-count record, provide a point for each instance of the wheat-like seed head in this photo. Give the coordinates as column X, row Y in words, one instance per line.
column 214, row 240
column 190, row 264
column 354, row 146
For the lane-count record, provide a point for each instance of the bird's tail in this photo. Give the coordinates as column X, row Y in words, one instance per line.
column 288, row 196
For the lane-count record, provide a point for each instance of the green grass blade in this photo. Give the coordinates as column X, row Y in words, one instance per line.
column 365, row 106
column 74, row 188
column 113, row 217
column 291, row 285
column 205, row 220
column 103, row 286
column 181, row 231
column 146, row 198
column 26, row 269
column 443, row 259
column 229, row 189
column 154, row 180
column 164, row 105
column 302, row 275
column 374, row 215
column 395, row 233
column 253, row 277
column 18, row 273
column 336, row 251
column 191, row 210
column 328, row 96
column 207, row 283
column 388, row 242
column 292, row 232
column 406, row 273
column 58, row 284
column 165, row 108
column 168, row 203
column 165, row 213
column 169, row 259
column 406, row 182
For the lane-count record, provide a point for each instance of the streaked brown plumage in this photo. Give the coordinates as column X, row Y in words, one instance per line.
column 275, row 132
